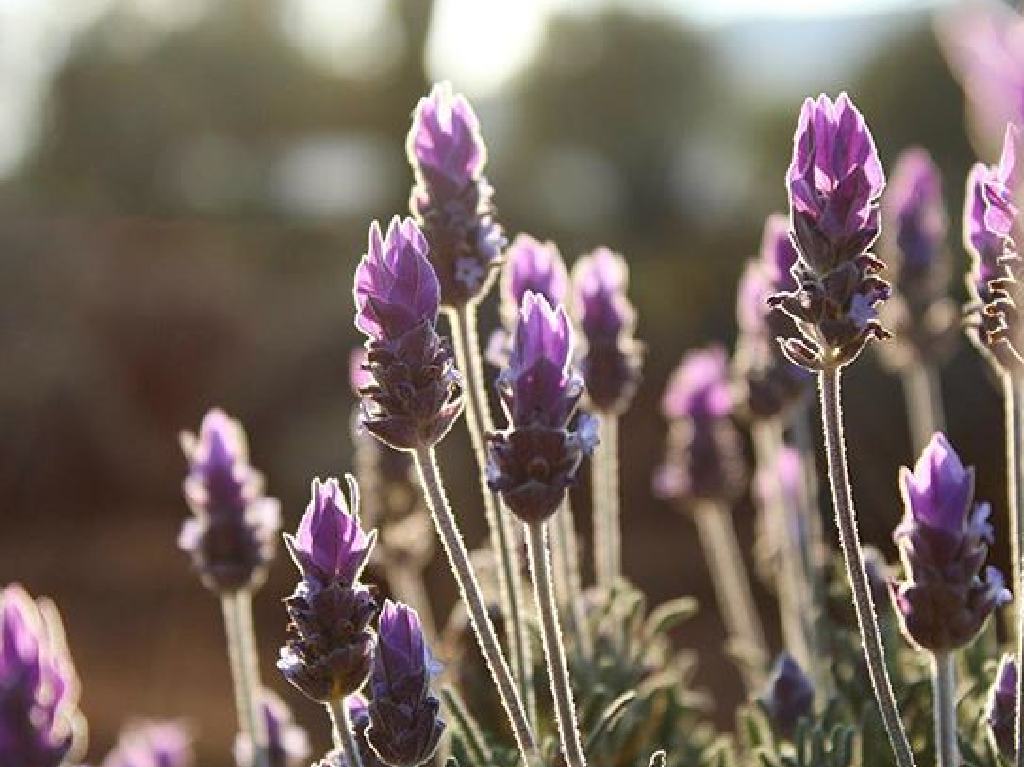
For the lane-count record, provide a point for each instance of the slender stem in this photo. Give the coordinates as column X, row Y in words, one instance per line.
column 478, row 422
column 554, row 651
column 784, row 523
column 849, row 540
column 1015, row 453
column 1012, row 426
column 236, row 607
column 922, row 390
column 562, row 560
column 344, row 737
column 462, row 569
column 732, row 587
column 605, row 478
column 944, row 709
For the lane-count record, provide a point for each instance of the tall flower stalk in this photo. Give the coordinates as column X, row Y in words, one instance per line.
column 413, row 396
column 610, row 365
column 452, row 202
column 533, row 462
column 231, row 540
column 834, row 182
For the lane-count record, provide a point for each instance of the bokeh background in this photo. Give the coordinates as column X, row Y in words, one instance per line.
column 185, row 187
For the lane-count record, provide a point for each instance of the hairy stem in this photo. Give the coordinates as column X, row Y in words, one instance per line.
column 1012, row 427
column 605, row 480
column 732, row 588
column 944, row 709
column 922, row 390
column 344, row 737
column 565, row 563
column 469, row 589
column 478, row 422
column 236, row 607
column 554, row 651
column 853, row 556
column 1015, row 453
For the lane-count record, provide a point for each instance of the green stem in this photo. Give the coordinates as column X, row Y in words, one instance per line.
column 565, row 561
column 472, row 597
column 922, row 390
column 479, row 423
column 853, row 556
column 605, row 480
column 344, row 738
column 1015, row 454
column 732, row 588
column 236, row 607
column 554, row 651
column 944, row 709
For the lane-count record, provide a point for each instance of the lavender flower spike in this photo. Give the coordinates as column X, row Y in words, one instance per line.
column 152, row 744
column 287, row 743
column 611, row 360
column 404, row 724
column 788, row 695
column 40, row 724
column 531, row 265
column 943, row 540
column 834, row 182
column 330, row 646
column 533, row 461
column 1001, row 711
column 232, row 537
column 451, row 198
column 415, row 393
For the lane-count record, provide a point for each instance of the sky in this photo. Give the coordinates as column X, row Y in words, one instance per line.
column 477, row 44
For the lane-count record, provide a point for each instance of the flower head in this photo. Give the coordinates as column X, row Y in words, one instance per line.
column 451, row 198
column 39, row 716
column 788, row 695
column 531, row 265
column 330, row 544
column 699, row 386
column 152, row 744
column 913, row 209
column 404, row 724
column 943, row 540
column 1001, row 710
column 395, row 285
column 232, row 536
column 287, row 743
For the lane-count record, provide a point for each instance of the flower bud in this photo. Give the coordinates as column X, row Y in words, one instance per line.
column 1001, row 711
column 152, row 744
column 287, row 743
column 788, row 696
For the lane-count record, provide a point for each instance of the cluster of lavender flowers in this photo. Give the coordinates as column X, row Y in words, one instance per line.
column 842, row 690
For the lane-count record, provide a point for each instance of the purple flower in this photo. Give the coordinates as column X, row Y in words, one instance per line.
column 913, row 209
column 395, row 285
column 152, row 744
column 984, row 246
column 533, row 461
column 411, row 391
column 943, row 540
column 531, row 265
column 1001, row 710
column 404, row 724
column 287, row 743
column 330, row 544
column 330, row 646
column 39, row 718
column 788, row 696
column 778, row 254
column 834, row 180
column 232, row 537
column 451, row 198
column 607, row 320
column 699, row 386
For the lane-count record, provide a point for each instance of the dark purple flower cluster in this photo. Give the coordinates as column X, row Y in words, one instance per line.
column 788, row 696
column 991, row 234
column 834, row 181
column 153, row 744
column 943, row 541
column 232, row 536
column 451, row 199
column 330, row 643
column 534, row 460
column 287, row 743
column 770, row 382
column 924, row 319
column 413, row 392
column 611, row 358
column 1001, row 711
column 704, row 452
column 39, row 717
column 404, row 727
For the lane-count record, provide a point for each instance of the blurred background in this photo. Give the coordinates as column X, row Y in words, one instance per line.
column 185, row 187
